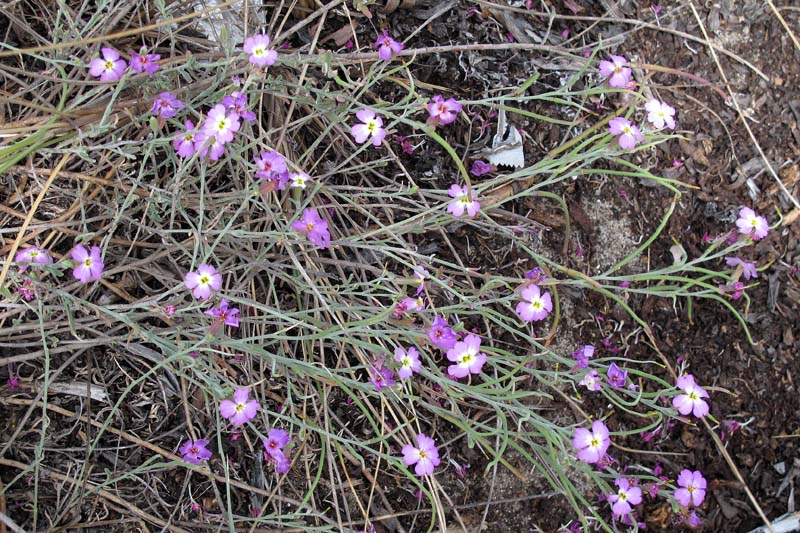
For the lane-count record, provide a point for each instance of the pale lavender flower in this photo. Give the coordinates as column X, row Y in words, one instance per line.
column 204, row 282
column 241, row 409
column 298, row 180
column 184, row 143
column 617, row 71
column 314, row 227
column 409, row 362
column 387, row 46
column 371, row 126
column 207, row 144
column 627, row 496
column 221, row 123
column 257, row 47
column 462, row 200
column 692, row 489
column 88, row 265
column 34, row 255
column 535, row 305
column 382, row 378
column 748, row 269
column 479, row 168
column 591, row 381
column 592, row 445
column 467, row 357
column 749, row 223
column 629, row 134
column 691, row 401
column 272, row 167
column 108, row 68
column 237, row 102
column 424, row 455
column 659, row 114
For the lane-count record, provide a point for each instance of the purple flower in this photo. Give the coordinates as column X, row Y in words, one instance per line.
column 184, row 143
column 749, row 223
column 462, row 200
column 241, row 409
column 467, row 357
column 88, row 265
column 591, row 381
column 195, row 452
column 691, row 401
column 221, row 123
column 110, row 67
column 424, row 455
column 32, row 254
column 224, row 314
column 237, row 102
column 204, row 282
column 618, row 74
column 206, row 143
column 535, row 305
column 443, row 111
column 144, row 63
column 479, row 168
column 441, row 334
column 748, row 269
column 281, row 462
column 616, row 376
column 629, row 135
column 409, row 362
column 26, row 290
column 536, row 274
column 659, row 114
column 257, row 47
column 592, row 445
column 582, row 356
column 314, row 227
column 371, row 127
column 166, row 105
column 692, row 489
column 625, row 497
column 387, row 46
column 272, row 167
column 382, row 378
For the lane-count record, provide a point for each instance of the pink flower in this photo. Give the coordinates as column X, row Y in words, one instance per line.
column 88, row 265
column 592, row 445
column 281, row 462
column 659, row 114
column 748, row 269
column 467, row 357
column 424, row 455
column 204, row 282
column 32, row 254
column 692, row 489
column 314, row 227
column 409, row 362
column 272, row 167
column 625, row 497
column 27, row 290
column 224, row 314
column 241, row 409
column 443, row 111
column 371, row 127
column 184, row 143
column 206, row 143
column 629, row 135
column 144, row 63
column 620, row 74
column 691, row 401
column 166, row 105
column 441, row 334
column 221, row 123
column 382, row 378
column 237, row 102
column 110, row 67
column 591, row 381
column 479, row 168
column 275, row 441
column 462, row 201
column 617, row 377
column 195, row 452
column 534, row 306
column 257, row 46
column 749, row 223
column 387, row 46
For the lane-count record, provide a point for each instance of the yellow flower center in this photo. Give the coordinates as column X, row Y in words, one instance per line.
column 690, row 488
column 371, row 125
column 422, row 454
column 239, row 407
column 536, row 305
column 258, row 51
column 622, row 495
column 466, row 359
column 309, row 226
column 88, row 261
column 223, row 123
column 109, row 65
column 594, row 443
column 204, row 279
